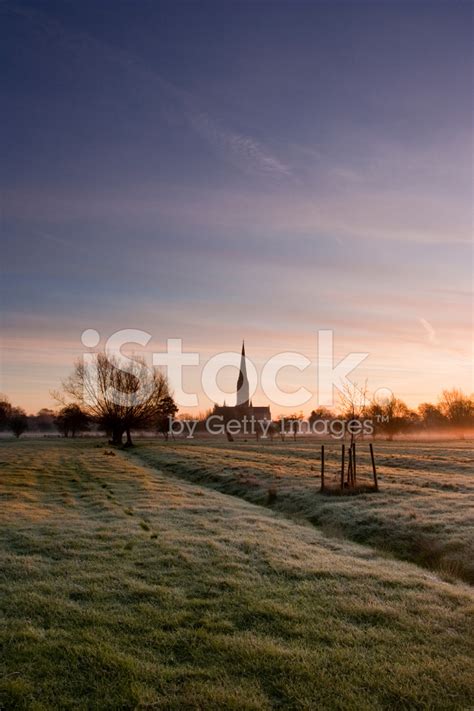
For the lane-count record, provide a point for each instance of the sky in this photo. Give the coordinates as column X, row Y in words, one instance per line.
column 214, row 171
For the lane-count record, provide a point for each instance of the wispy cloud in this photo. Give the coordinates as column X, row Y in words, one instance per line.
column 242, row 151
column 430, row 331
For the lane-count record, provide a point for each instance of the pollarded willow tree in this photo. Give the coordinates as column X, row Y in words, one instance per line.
column 120, row 395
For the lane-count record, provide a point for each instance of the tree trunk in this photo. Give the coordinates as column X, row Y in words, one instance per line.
column 117, row 434
column 129, row 442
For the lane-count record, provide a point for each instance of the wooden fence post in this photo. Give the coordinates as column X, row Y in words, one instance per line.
column 342, row 466
column 374, row 469
column 349, row 468
column 354, row 475
column 322, row 467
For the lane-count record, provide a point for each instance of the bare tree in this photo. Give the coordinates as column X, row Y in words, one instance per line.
column 272, row 430
column 17, row 421
column 290, row 424
column 119, row 400
column 353, row 402
column 43, row 421
column 167, row 412
column 5, row 411
column 457, row 408
column 391, row 416
column 321, row 413
column 431, row 416
column 70, row 420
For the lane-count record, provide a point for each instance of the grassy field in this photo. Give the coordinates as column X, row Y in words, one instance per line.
column 125, row 588
column 423, row 513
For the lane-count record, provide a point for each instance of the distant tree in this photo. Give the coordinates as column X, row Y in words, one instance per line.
column 390, row 416
column 71, row 420
column 321, row 413
column 272, row 430
column 281, row 426
column 117, row 400
column 431, row 416
column 290, row 424
column 5, row 411
column 202, row 418
column 17, row 421
column 43, row 420
column 457, row 408
column 168, row 410
column 320, row 421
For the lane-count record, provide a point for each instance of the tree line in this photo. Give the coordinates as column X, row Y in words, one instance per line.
column 391, row 416
column 87, row 406
column 103, row 396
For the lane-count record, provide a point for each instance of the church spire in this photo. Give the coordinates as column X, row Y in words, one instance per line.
column 242, row 382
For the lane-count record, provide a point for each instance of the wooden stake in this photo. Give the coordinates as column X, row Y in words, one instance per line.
column 322, row 467
column 342, row 466
column 374, row 467
column 354, row 476
column 349, row 468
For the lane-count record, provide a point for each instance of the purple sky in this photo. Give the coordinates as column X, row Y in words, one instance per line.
column 214, row 171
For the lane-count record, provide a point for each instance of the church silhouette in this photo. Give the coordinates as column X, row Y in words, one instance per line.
column 243, row 406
